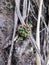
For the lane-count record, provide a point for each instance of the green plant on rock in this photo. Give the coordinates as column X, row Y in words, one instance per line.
column 24, row 31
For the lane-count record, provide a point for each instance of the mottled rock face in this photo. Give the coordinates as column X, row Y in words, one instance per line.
column 2, row 37
column 6, row 16
column 1, row 23
column 6, row 26
column 1, row 20
column 2, row 41
column 2, row 58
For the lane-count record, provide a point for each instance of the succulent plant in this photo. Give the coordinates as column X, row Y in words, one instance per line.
column 25, row 30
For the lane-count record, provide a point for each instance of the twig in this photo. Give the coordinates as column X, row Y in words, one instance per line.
column 37, row 49
column 11, row 50
column 47, row 61
column 18, row 11
column 29, row 6
column 9, row 43
column 37, row 32
column 24, row 9
column 43, row 20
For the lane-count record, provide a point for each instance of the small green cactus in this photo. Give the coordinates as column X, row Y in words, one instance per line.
column 25, row 30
